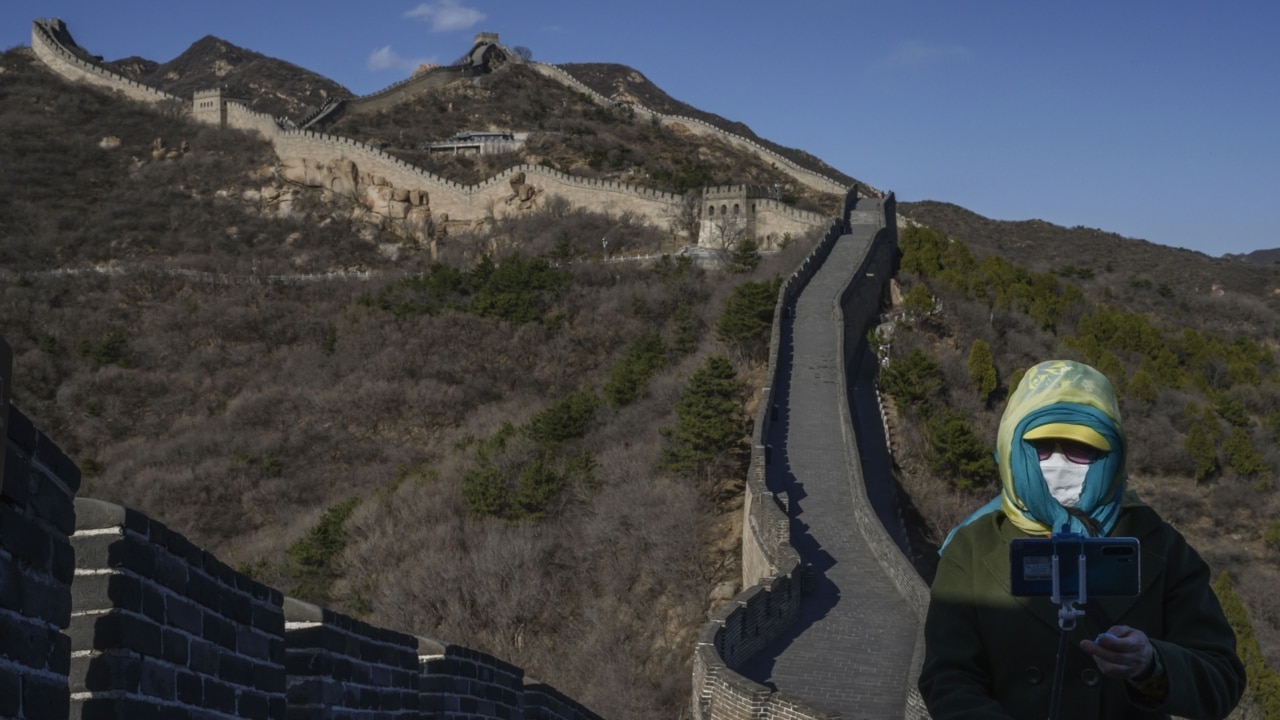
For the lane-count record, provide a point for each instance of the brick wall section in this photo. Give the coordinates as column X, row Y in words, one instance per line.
column 463, row 684
column 701, row 127
column 771, row 570
column 460, row 203
column 860, row 309
column 340, row 667
column 47, row 37
column 36, row 568
column 162, row 628
column 156, row 627
column 543, row 702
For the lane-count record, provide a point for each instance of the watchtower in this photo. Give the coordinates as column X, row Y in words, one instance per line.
column 729, row 213
column 208, row 106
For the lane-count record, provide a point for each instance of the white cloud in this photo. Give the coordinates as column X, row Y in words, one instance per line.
column 446, row 15
column 914, row 54
column 384, row 58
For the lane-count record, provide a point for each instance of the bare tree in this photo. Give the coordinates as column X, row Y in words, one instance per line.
column 724, row 235
column 684, row 217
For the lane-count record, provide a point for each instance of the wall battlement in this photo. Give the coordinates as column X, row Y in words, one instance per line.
column 771, row 570
column 460, row 203
column 772, row 574
column 105, row 612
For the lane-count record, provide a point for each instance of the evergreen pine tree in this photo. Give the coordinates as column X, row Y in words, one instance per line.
column 707, row 423
column 744, row 257
column 747, row 317
column 982, row 369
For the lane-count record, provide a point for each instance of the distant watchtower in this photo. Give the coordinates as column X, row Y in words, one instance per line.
column 729, row 213
column 209, row 107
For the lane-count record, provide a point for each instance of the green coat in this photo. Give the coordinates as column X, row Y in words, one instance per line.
column 992, row 655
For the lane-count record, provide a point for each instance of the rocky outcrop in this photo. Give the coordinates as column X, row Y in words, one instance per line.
column 405, row 211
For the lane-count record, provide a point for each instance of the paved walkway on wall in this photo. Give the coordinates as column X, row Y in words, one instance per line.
column 850, row 650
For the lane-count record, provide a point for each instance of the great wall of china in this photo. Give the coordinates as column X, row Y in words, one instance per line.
column 320, row 159
column 107, row 613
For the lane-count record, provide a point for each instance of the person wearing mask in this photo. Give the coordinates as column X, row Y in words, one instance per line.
column 1168, row 651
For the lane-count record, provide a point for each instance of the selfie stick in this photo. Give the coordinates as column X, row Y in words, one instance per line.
column 1068, row 613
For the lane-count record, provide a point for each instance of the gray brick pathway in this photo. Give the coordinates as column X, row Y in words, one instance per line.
column 850, row 651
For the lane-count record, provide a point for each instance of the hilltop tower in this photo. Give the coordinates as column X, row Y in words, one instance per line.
column 209, row 107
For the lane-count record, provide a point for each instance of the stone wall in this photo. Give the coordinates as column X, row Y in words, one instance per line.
column 36, row 568
column 771, row 571
column 338, row 666
column 463, row 684
column 460, row 204
column 46, row 43
column 107, row 613
column 755, row 212
column 159, row 623
column 812, row 179
column 860, row 306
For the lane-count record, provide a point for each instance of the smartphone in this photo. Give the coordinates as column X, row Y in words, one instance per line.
column 1112, row 566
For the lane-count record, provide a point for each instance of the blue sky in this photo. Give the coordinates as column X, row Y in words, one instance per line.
column 1158, row 121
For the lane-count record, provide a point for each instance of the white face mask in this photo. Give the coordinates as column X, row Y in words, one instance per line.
column 1065, row 478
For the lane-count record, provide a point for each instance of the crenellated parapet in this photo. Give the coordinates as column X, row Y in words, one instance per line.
column 773, row 576
column 731, row 213
column 38, row 484
column 814, row 180
column 108, row 613
column 47, row 38
column 451, row 202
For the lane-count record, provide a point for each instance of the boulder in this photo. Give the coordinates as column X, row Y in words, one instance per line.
column 110, row 142
column 344, row 176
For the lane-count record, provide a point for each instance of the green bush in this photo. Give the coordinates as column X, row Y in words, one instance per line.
column 982, row 370
column 519, row 290
column 317, row 556
column 1264, row 683
column 684, row 330
column 1271, row 536
column 1201, row 443
column 745, row 257
column 565, row 420
column 511, row 479
column 958, row 452
column 913, row 381
column 1241, row 457
column 707, row 421
column 746, row 321
column 110, row 350
column 630, row 376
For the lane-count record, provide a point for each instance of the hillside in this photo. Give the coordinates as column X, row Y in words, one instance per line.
column 255, row 364
column 247, row 360
column 626, row 85
column 1189, row 340
column 266, row 84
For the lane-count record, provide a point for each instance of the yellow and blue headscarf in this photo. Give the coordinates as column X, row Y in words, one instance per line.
column 1059, row 399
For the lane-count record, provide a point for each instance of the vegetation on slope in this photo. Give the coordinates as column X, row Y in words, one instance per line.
column 1195, row 370
column 319, row 429
column 569, row 132
column 626, row 85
